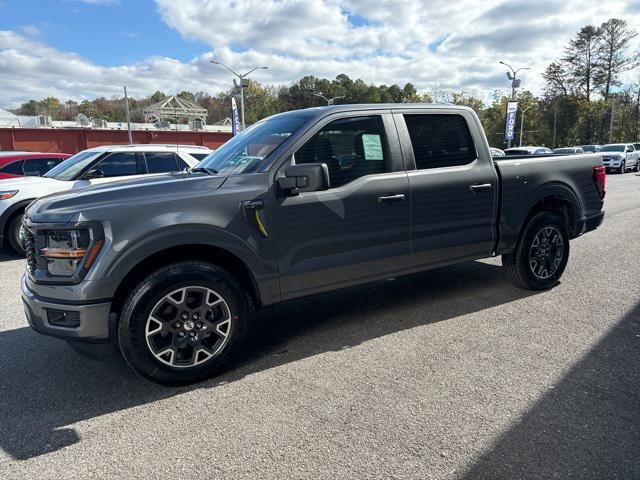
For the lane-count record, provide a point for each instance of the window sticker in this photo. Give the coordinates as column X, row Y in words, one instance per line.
column 372, row 144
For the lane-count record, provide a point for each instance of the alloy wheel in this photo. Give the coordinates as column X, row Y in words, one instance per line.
column 545, row 254
column 188, row 326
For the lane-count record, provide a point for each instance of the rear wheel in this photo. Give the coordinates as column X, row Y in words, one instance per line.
column 541, row 254
column 184, row 323
column 14, row 234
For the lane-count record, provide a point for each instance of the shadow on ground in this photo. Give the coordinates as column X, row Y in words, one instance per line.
column 45, row 386
column 8, row 256
column 587, row 426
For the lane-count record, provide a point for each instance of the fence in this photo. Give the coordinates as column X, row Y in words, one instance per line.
column 71, row 140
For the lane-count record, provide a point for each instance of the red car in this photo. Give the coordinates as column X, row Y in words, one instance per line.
column 20, row 164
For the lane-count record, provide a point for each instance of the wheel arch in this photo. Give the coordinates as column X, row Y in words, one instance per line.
column 10, row 213
column 215, row 255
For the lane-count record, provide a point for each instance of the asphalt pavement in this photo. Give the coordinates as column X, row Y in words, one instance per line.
column 452, row 373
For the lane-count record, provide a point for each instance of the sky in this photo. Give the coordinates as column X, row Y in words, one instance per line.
column 83, row 49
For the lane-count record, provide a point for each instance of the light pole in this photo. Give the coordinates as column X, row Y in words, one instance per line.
column 244, row 82
column 522, row 112
column 330, row 101
column 515, row 82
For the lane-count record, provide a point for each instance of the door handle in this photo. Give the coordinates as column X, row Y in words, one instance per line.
column 391, row 198
column 478, row 187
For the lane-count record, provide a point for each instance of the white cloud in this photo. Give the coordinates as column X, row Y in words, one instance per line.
column 431, row 43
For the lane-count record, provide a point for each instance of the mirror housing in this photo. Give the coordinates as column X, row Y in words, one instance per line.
column 93, row 173
column 629, row 149
column 307, row 177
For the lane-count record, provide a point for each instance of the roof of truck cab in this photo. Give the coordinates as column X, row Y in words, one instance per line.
column 358, row 107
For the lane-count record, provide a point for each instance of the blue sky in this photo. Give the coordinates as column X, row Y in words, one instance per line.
column 107, row 33
column 82, row 49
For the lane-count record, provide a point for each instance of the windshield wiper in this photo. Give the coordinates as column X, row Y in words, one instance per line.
column 208, row 171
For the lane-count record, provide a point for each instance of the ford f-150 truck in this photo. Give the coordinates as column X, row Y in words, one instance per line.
column 172, row 267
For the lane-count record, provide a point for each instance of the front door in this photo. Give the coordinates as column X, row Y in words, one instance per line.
column 358, row 229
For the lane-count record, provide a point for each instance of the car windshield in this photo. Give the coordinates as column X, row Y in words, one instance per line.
column 72, row 166
column 564, row 150
column 612, row 148
column 244, row 152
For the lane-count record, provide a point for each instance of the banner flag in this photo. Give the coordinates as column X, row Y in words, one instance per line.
column 235, row 121
column 510, row 125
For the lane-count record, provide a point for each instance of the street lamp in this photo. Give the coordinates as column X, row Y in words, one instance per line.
column 244, row 82
column 330, row 101
column 515, row 82
column 522, row 112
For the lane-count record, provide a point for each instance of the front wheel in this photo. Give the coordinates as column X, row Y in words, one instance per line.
column 184, row 323
column 541, row 254
column 623, row 168
column 15, row 239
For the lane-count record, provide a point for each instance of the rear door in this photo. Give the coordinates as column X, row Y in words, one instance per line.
column 358, row 229
column 453, row 189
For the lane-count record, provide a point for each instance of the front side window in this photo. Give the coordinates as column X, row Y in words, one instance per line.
column 118, row 165
column 440, row 140
column 160, row 162
column 350, row 147
column 37, row 167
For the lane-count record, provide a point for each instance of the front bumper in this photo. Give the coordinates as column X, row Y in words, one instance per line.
column 93, row 317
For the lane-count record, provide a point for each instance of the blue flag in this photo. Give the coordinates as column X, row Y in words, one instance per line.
column 510, row 125
column 235, row 121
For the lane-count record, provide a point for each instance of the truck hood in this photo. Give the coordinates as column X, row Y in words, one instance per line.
column 78, row 205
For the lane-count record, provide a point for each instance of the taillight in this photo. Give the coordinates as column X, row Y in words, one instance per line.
column 600, row 179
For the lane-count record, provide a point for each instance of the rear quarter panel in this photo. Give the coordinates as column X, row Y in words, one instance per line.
column 527, row 181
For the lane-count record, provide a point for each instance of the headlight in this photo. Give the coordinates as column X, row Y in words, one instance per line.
column 69, row 251
column 6, row 195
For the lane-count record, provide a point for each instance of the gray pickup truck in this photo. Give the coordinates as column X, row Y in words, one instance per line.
column 172, row 267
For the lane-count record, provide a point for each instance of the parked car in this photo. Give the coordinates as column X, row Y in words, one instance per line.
column 620, row 157
column 172, row 267
column 529, row 150
column 89, row 167
column 31, row 164
column 496, row 152
column 568, row 150
column 590, row 148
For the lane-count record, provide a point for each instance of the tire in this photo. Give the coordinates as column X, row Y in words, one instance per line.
column 524, row 268
column 13, row 232
column 174, row 294
column 623, row 168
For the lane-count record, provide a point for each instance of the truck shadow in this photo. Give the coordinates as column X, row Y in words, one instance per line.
column 586, row 426
column 45, row 387
column 8, row 256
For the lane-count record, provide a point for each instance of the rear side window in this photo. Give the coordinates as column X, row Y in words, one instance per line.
column 440, row 140
column 161, row 162
column 37, row 167
column 119, row 165
column 14, row 168
column 350, row 147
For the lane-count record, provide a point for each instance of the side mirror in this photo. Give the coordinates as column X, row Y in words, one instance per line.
column 94, row 173
column 308, row 177
column 629, row 149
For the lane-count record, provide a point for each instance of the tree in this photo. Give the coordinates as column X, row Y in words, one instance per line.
column 556, row 79
column 614, row 38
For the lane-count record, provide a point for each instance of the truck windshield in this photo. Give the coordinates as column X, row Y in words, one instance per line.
column 72, row 166
column 244, row 152
column 612, row 148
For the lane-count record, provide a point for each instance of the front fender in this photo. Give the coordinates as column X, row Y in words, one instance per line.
column 122, row 258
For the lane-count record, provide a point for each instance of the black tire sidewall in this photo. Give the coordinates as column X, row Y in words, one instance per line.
column 533, row 227
column 131, row 329
column 14, row 233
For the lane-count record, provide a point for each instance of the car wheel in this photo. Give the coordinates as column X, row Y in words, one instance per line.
column 184, row 323
column 623, row 168
column 541, row 254
column 15, row 239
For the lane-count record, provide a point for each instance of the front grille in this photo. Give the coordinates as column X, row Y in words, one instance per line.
column 28, row 241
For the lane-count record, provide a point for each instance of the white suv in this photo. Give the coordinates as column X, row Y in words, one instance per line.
column 94, row 166
column 620, row 157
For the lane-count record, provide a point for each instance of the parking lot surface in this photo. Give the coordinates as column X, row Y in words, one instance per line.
column 452, row 373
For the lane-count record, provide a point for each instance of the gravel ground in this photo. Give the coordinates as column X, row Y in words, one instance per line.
column 453, row 373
